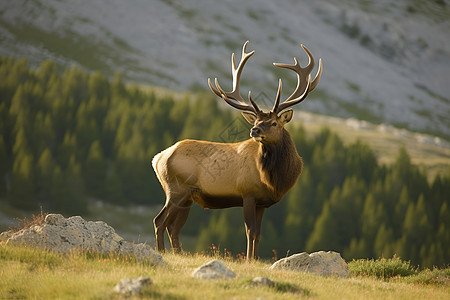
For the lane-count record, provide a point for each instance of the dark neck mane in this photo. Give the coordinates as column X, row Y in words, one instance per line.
column 281, row 165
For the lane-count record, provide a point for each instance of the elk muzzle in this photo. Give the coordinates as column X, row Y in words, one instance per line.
column 255, row 133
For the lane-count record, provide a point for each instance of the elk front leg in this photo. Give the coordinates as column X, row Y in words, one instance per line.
column 249, row 206
column 259, row 215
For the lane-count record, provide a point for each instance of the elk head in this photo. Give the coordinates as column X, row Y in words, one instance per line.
column 268, row 126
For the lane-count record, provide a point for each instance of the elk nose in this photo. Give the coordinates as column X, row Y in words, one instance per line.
column 255, row 131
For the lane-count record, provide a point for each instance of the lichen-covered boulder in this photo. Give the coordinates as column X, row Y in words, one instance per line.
column 321, row 263
column 59, row 234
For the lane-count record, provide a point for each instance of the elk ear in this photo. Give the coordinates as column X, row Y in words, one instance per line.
column 286, row 116
column 251, row 118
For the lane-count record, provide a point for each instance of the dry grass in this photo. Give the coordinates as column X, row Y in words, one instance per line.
column 25, row 223
column 28, row 273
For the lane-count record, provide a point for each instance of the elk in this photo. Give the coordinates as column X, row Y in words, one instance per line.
column 253, row 174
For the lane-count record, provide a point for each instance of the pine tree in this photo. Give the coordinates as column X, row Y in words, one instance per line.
column 440, row 190
column 361, row 161
column 324, row 235
column 43, row 135
column 443, row 233
column 46, row 73
column 346, row 209
column 178, row 115
column 372, row 218
column 113, row 190
column 95, row 170
column 416, row 230
column 86, row 130
column 67, row 191
column 67, row 148
column 22, row 194
column 296, row 227
column 22, row 177
column 383, row 243
column 75, row 198
column 334, row 160
column 44, row 176
column 99, row 86
column 356, row 250
column 58, row 199
column 4, row 167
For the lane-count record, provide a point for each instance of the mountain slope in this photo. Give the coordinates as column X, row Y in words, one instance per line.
column 384, row 61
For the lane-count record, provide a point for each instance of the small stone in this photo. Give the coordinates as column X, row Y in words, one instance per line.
column 214, row 269
column 132, row 286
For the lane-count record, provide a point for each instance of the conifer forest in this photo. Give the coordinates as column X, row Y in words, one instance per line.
column 67, row 135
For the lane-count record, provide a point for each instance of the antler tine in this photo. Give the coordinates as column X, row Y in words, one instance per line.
column 304, row 84
column 277, row 100
column 239, row 105
column 235, row 93
column 317, row 78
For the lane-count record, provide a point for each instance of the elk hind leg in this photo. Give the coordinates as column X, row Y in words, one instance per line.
column 177, row 222
column 159, row 223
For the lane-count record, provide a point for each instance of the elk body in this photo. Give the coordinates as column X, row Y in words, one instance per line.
column 254, row 174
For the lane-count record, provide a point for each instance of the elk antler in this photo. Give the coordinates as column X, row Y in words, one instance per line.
column 234, row 94
column 304, row 84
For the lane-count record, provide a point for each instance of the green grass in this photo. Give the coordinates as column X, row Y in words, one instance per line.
column 28, row 273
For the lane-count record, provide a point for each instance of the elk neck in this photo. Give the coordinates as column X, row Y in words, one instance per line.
column 280, row 165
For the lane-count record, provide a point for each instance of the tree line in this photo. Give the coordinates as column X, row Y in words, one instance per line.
column 68, row 134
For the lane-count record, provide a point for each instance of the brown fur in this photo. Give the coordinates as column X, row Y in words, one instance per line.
column 219, row 175
column 280, row 165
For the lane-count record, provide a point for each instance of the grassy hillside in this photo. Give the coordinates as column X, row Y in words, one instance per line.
column 426, row 151
column 30, row 274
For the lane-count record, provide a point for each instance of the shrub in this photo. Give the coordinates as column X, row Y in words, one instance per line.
column 381, row 268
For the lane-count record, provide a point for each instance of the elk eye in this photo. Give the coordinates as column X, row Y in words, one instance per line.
column 274, row 124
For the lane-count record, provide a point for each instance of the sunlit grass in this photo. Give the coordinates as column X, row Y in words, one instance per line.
column 32, row 273
column 28, row 273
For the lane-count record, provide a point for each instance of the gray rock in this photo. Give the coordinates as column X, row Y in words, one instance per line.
column 141, row 251
column 132, row 286
column 55, row 219
column 214, row 269
column 63, row 235
column 320, row 263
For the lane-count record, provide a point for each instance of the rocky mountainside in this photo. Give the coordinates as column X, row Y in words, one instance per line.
column 384, row 61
